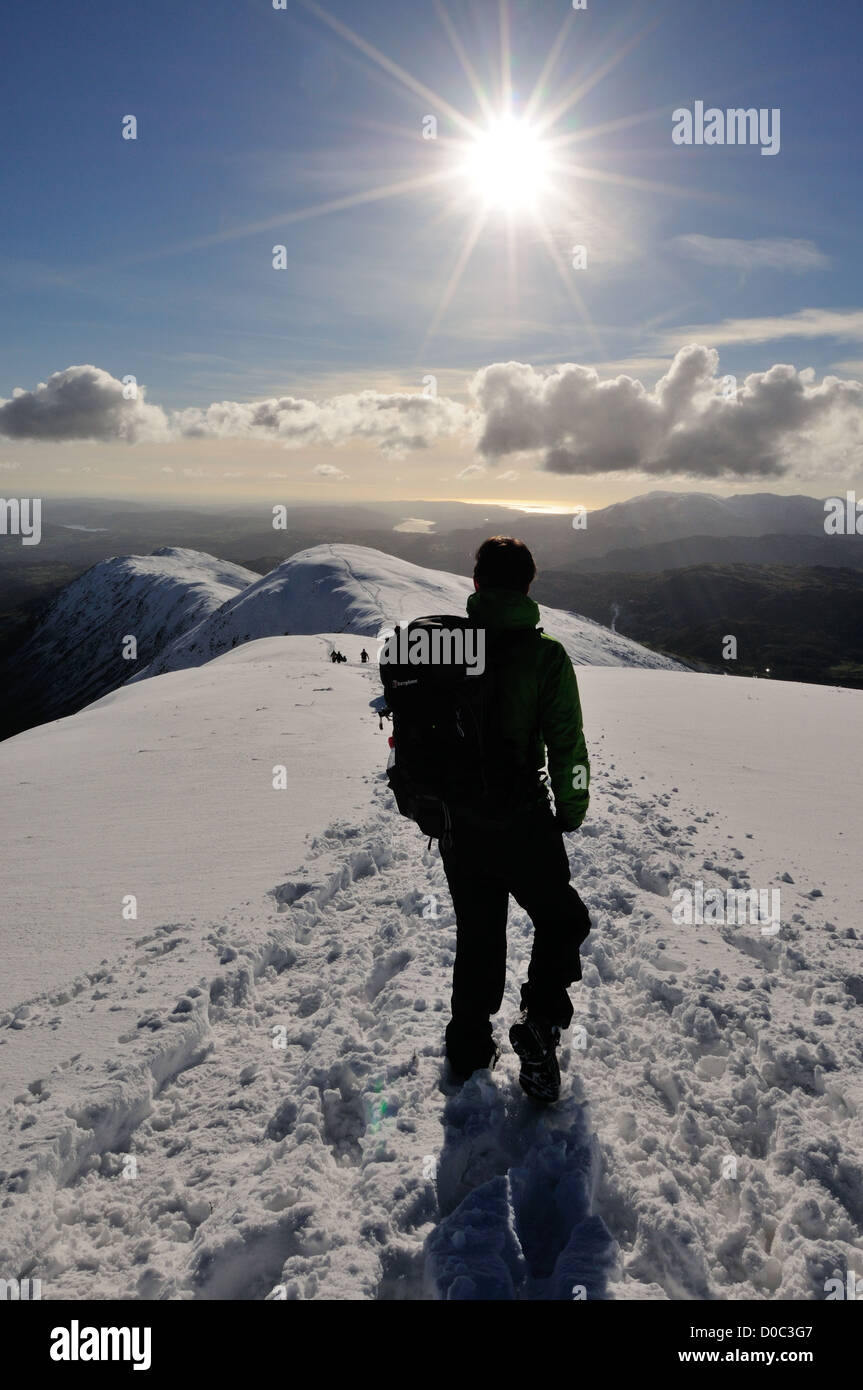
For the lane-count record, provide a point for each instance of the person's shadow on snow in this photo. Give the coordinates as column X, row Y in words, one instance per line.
column 515, row 1188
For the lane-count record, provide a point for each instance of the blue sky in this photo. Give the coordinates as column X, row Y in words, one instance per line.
column 154, row 256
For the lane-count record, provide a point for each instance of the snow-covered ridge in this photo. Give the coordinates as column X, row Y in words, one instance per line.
column 76, row 653
column 353, row 588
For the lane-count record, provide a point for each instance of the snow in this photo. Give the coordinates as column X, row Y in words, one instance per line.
column 77, row 649
column 240, row 1093
column 352, row 588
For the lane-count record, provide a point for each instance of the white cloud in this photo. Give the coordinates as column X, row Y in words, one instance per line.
column 852, row 367
column 564, row 419
column 85, row 402
column 761, row 253
column 577, row 424
column 396, row 422
column 82, row 403
column 844, row 324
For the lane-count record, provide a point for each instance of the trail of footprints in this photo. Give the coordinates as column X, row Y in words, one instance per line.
column 265, row 1169
column 296, row 1059
column 288, row 1070
column 317, row 1053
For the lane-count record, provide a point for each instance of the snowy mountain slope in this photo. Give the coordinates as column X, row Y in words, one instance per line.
column 93, row 792
column 352, row 588
column 264, row 1042
column 76, row 652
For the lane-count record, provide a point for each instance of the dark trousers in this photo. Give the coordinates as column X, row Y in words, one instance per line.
column 525, row 856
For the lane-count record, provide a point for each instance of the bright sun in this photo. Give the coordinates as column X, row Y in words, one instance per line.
column 508, row 165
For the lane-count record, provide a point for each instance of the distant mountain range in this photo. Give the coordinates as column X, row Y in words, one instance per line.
column 644, row 532
column 834, row 552
column 671, row 530
column 794, row 622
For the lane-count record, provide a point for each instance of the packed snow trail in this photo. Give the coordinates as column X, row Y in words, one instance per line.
column 279, row 1126
column 311, row 1169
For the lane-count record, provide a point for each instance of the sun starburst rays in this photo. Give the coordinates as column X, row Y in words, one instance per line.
column 507, row 166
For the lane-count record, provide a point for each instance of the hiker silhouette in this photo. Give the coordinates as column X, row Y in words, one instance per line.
column 499, row 835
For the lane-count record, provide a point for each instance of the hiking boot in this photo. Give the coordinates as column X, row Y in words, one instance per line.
column 535, row 1043
column 470, row 1049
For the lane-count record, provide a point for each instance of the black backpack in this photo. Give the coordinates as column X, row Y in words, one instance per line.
column 448, row 746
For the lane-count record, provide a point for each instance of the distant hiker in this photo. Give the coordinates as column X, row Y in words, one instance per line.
column 334, row 656
column 364, row 656
column 468, row 766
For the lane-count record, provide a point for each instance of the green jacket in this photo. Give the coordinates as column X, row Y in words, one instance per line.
column 539, row 704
